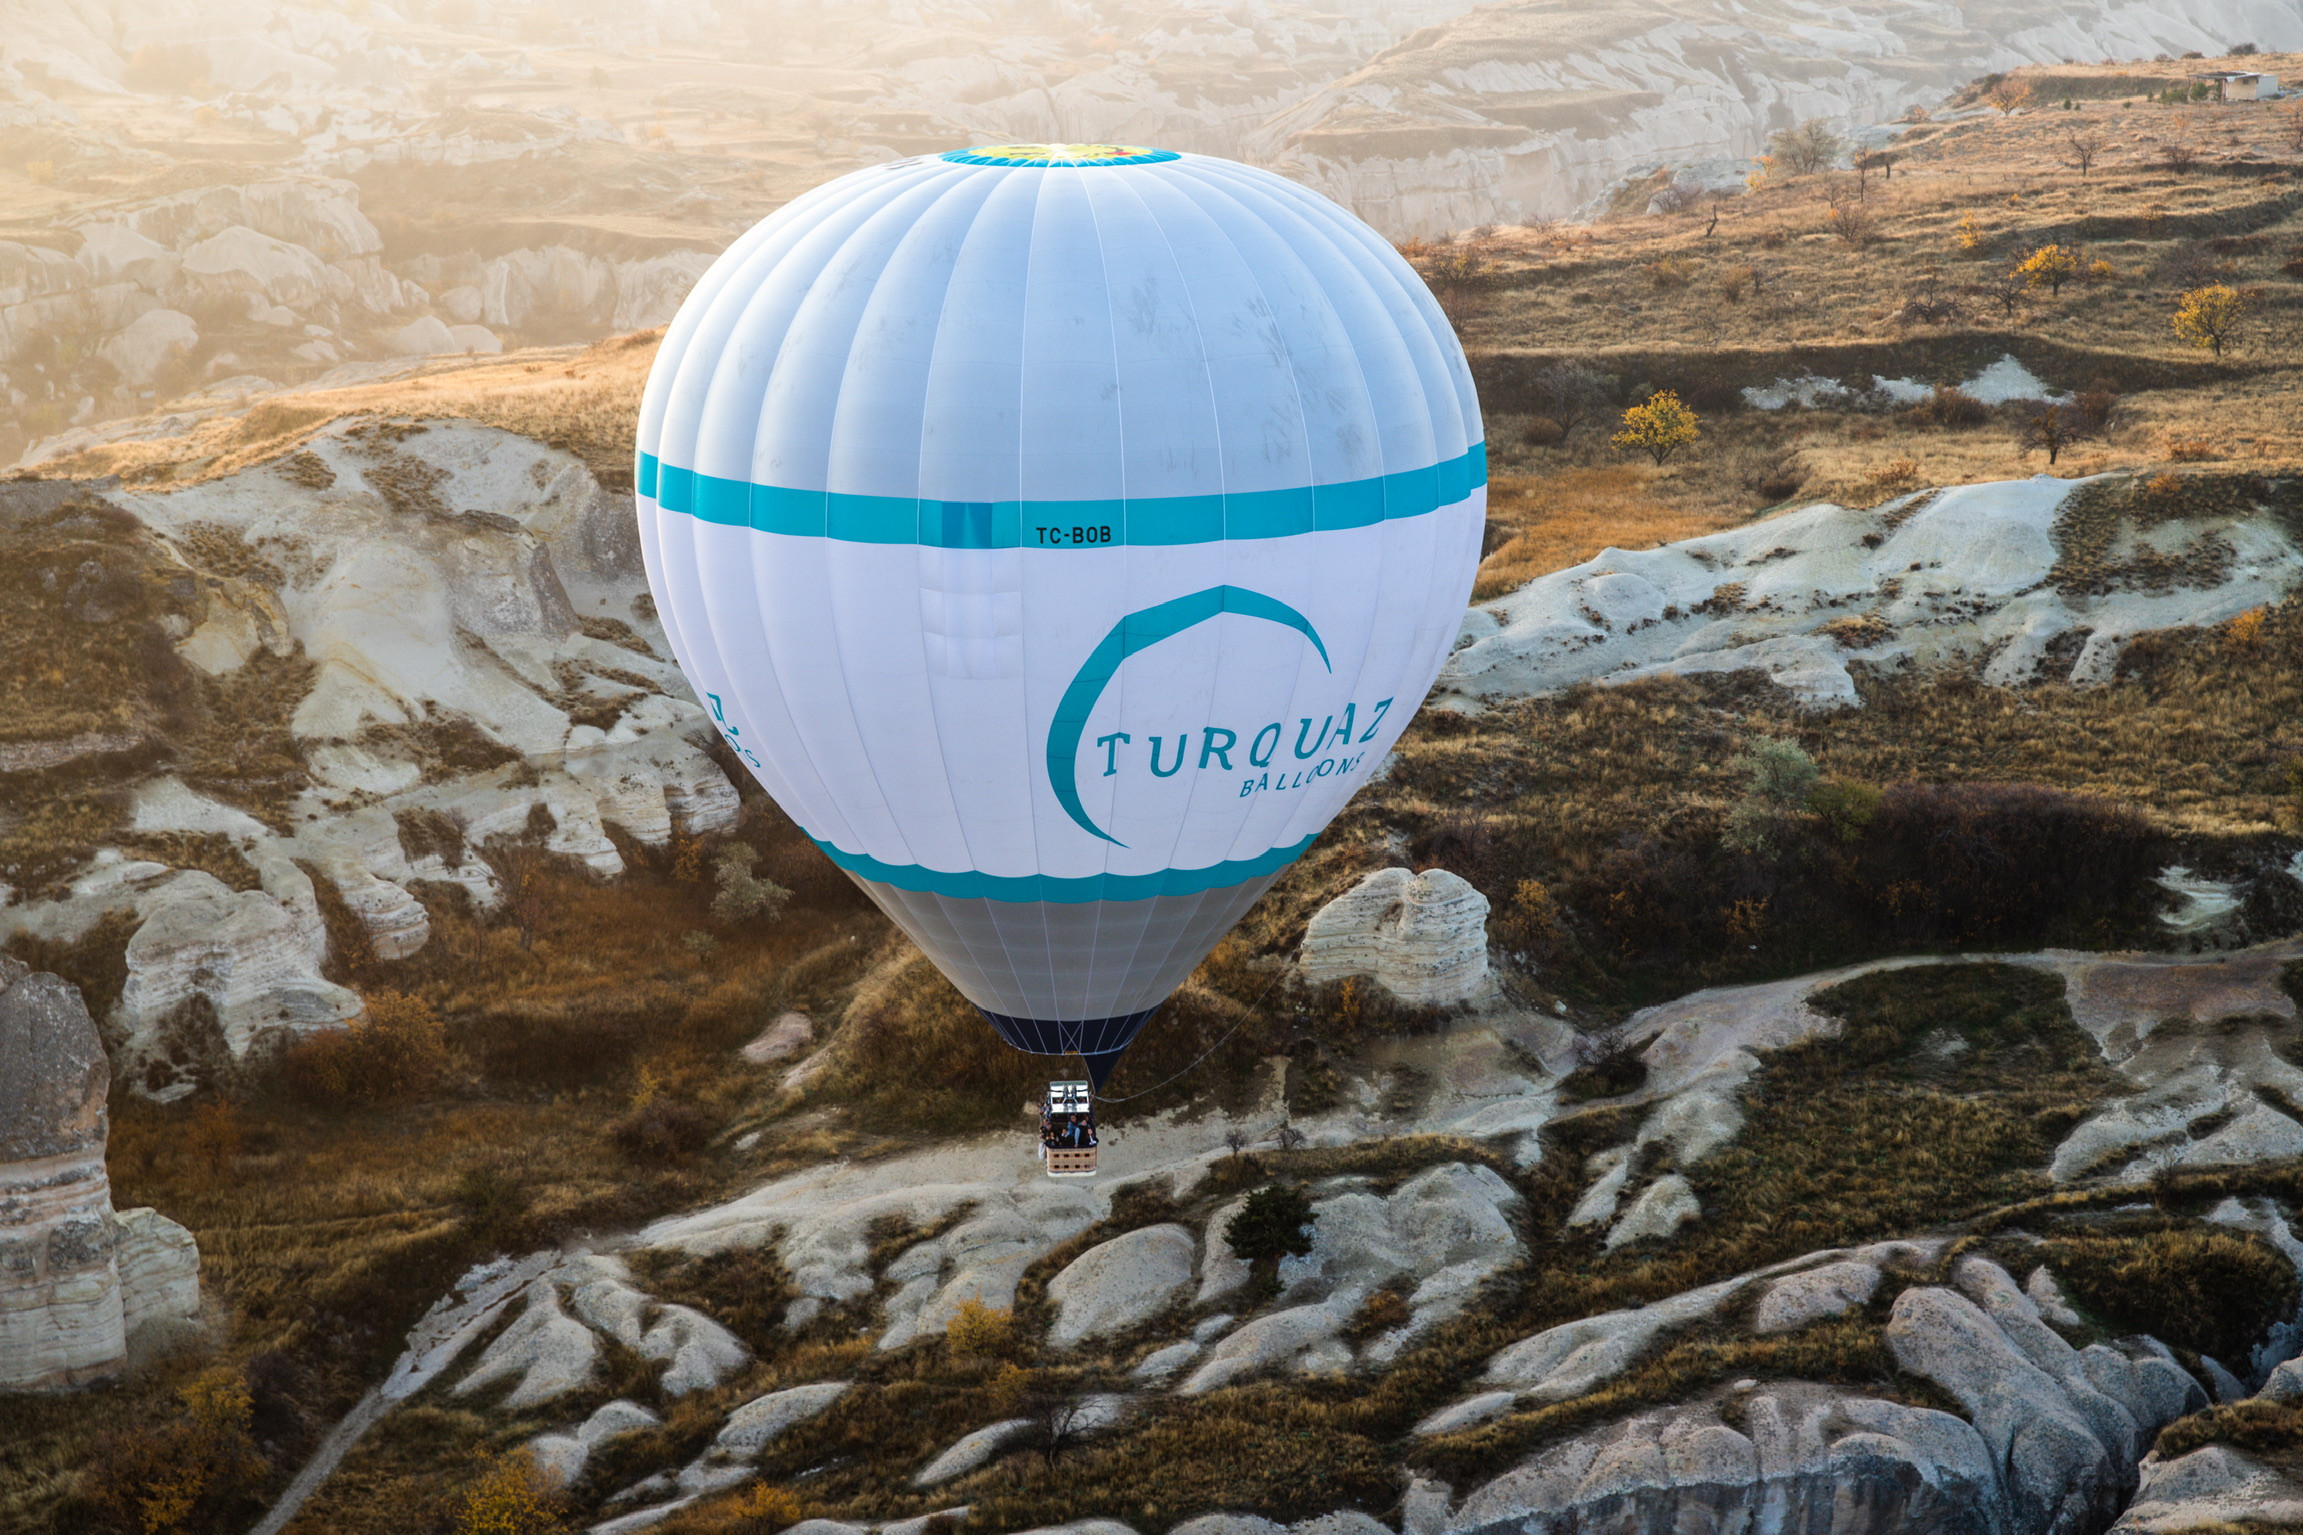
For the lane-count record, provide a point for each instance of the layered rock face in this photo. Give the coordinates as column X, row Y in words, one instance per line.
column 488, row 671
column 60, row 1318
column 1423, row 936
column 1921, row 580
column 75, row 1283
column 1530, row 110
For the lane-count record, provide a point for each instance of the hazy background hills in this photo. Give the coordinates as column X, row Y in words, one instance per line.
column 207, row 201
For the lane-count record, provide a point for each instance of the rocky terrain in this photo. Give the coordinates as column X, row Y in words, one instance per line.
column 1804, row 1028
column 82, row 1288
column 1508, row 114
column 2006, row 1403
column 462, row 669
column 197, row 208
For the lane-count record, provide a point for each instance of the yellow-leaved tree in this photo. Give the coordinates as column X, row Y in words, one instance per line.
column 2049, row 267
column 2209, row 317
column 1659, row 428
column 512, row 1498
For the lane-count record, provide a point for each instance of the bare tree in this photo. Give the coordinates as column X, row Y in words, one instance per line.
column 1806, row 149
column 1287, row 1136
column 2050, row 426
column 2086, row 144
column 1848, row 217
column 523, row 869
column 1578, row 392
column 2180, row 157
column 2008, row 287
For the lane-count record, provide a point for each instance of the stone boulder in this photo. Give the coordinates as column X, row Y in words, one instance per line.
column 1833, row 1289
column 148, row 343
column 971, row 1452
column 159, row 1266
column 2044, row 1410
column 1423, row 937
column 243, row 953
column 1122, row 1283
column 1306, row 1338
column 61, row 1321
column 1795, row 1457
column 547, row 1353
column 761, row 1419
column 2213, row 1487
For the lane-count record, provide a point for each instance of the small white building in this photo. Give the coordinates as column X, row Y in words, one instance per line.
column 2242, row 85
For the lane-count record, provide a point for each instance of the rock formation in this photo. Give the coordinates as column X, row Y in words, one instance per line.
column 1422, row 936
column 1920, row 580
column 473, row 668
column 76, row 1283
column 1532, row 109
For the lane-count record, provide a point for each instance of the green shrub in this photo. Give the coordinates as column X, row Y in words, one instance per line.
column 1275, row 1223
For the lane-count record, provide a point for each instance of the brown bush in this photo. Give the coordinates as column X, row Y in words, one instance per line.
column 1541, row 432
column 662, row 1130
column 2003, row 863
column 394, row 1052
column 2212, row 1291
column 1951, row 407
column 2267, row 1429
column 198, row 1471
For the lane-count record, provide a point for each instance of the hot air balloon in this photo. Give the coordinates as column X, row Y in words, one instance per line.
column 1061, row 534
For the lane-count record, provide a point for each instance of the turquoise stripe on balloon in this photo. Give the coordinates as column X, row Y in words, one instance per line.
column 1143, row 520
column 968, row 885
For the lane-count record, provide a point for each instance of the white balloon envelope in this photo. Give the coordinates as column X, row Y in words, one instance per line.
column 1061, row 534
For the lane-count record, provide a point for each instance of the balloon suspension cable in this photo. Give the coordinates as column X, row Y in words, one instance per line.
column 1250, row 1012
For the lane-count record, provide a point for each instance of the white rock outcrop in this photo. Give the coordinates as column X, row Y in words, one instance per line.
column 761, row 1419
column 1919, row 581
column 78, row 1284
column 1122, row 1283
column 1422, row 936
column 61, row 1321
column 246, row 954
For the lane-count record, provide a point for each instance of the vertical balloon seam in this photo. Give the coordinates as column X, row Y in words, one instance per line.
column 784, row 311
column 1215, row 227
column 995, row 180
column 1170, row 187
column 766, row 308
column 987, row 963
column 1135, row 188
column 843, row 401
column 1295, row 379
column 1120, row 452
column 1433, row 448
column 975, row 214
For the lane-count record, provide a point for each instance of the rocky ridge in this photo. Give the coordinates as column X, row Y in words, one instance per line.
column 2027, row 579
column 1517, row 113
column 478, row 669
column 2039, row 1420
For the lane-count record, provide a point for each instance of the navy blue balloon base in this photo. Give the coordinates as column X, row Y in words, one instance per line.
column 1097, row 1041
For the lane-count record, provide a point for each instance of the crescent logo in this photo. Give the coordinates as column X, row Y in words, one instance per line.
column 1137, row 632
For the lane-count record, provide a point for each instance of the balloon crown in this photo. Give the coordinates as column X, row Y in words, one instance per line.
column 1059, row 154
